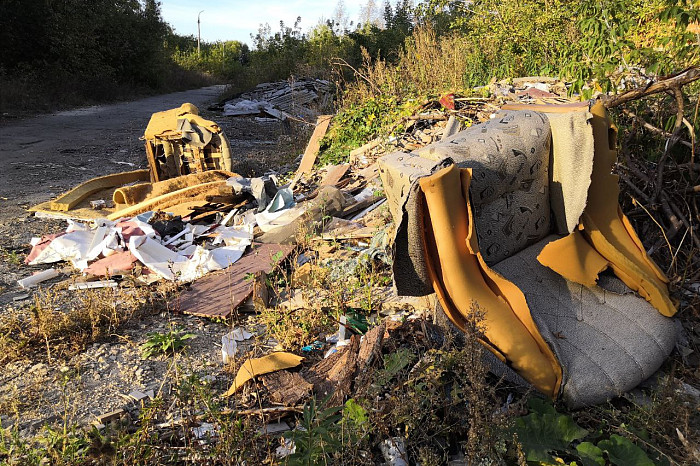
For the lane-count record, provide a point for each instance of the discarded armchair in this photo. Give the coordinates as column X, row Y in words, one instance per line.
column 517, row 219
column 180, row 142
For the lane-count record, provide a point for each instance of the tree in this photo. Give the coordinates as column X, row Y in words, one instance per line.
column 340, row 16
column 370, row 15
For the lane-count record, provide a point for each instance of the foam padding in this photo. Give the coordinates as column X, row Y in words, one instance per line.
column 75, row 196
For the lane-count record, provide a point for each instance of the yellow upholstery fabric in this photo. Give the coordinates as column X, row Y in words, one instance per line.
column 607, row 232
column 465, row 284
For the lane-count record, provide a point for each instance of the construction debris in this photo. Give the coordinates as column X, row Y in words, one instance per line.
column 37, row 278
column 221, row 294
column 228, row 241
column 282, row 99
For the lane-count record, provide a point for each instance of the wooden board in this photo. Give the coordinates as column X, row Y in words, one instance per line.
column 219, row 294
column 334, row 174
column 307, row 162
column 285, row 387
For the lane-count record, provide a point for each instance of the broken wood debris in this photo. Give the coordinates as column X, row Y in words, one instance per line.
column 281, row 99
column 285, row 387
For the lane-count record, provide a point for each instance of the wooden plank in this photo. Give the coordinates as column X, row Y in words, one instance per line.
column 285, row 387
column 334, row 174
column 219, row 294
column 152, row 164
column 73, row 197
column 370, row 172
column 307, row 162
column 333, row 377
column 365, row 148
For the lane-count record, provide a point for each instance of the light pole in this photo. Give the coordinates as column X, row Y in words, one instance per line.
column 199, row 33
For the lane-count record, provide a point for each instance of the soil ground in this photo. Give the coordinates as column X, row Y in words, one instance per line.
column 44, row 156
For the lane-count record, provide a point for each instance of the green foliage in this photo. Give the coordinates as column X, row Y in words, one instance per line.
column 547, row 435
column 682, row 41
column 394, row 363
column 355, row 413
column 224, row 58
column 318, row 440
column 12, row 257
column 359, row 123
column 76, row 52
column 165, row 343
column 544, row 433
column 59, row 446
column 590, row 454
column 622, row 452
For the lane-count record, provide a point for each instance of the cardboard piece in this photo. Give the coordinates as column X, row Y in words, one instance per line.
column 219, row 294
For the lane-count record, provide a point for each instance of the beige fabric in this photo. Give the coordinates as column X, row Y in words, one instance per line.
column 510, row 190
column 167, row 122
column 572, row 165
column 606, row 342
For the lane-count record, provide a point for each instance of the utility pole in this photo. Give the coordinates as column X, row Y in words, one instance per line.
column 199, row 34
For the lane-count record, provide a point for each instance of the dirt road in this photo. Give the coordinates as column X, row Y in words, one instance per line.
column 45, row 155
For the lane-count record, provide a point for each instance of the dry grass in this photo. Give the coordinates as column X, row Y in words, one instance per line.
column 60, row 323
column 428, row 65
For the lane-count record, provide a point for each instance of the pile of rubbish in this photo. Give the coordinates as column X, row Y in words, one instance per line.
column 181, row 228
column 281, row 100
column 469, row 186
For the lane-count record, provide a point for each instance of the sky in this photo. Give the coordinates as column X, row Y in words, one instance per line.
column 237, row 19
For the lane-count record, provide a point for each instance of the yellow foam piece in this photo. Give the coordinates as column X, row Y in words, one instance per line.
column 605, row 237
column 75, row 196
column 463, row 281
column 165, row 122
column 264, row 365
column 164, row 201
column 574, row 258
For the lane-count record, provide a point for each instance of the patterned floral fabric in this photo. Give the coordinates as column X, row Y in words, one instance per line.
column 509, row 192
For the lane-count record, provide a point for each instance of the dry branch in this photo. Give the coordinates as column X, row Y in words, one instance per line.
column 665, row 84
column 653, row 129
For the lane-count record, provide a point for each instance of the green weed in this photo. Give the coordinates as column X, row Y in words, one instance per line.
column 318, row 438
column 548, row 436
column 165, row 343
column 11, row 256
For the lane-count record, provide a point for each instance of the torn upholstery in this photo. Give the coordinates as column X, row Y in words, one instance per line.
column 473, row 237
column 180, row 142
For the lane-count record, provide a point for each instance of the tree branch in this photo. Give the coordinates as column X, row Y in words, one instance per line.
column 667, row 83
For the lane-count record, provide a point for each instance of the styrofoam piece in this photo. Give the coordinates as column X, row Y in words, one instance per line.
column 229, row 346
column 394, row 451
column 37, row 278
column 176, row 237
column 368, row 209
column 274, row 428
column 366, row 193
column 93, row 285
